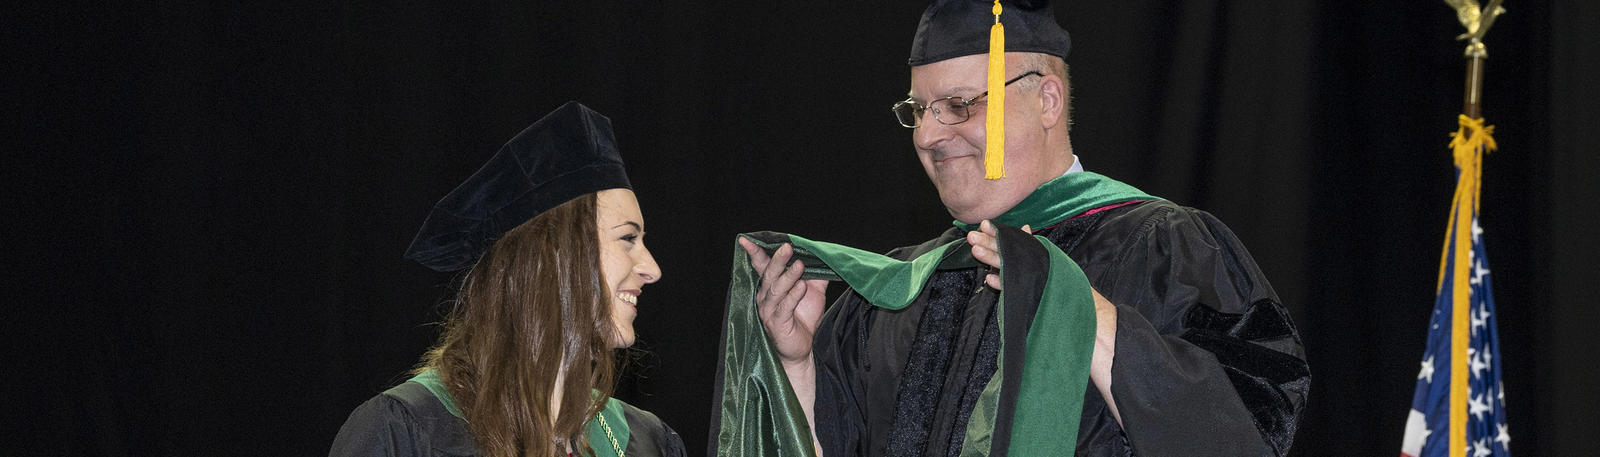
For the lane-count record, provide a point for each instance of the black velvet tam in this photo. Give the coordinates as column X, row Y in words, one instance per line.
column 568, row 153
column 955, row 28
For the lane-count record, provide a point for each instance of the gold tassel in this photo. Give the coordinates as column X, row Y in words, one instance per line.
column 995, row 125
column 1468, row 144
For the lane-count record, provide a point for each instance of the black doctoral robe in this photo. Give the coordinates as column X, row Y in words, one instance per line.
column 1207, row 360
column 409, row 421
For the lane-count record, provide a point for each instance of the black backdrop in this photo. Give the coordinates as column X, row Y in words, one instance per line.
column 206, row 203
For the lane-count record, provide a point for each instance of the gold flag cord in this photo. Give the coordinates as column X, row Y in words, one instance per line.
column 1469, row 143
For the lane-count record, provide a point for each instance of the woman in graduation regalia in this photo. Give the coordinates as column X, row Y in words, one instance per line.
column 552, row 240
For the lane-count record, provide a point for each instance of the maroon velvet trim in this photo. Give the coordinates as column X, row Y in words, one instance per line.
column 1092, row 211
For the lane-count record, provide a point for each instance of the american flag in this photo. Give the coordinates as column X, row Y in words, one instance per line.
column 1464, row 310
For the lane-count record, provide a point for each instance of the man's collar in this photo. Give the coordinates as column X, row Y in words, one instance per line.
column 1066, row 196
column 1077, row 165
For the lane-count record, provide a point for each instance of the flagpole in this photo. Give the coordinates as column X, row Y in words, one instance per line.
column 1473, row 105
column 1477, row 22
column 1469, row 144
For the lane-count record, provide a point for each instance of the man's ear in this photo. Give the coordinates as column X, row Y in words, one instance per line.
column 1052, row 100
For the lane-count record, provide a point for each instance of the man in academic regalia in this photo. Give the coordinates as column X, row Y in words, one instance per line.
column 1193, row 354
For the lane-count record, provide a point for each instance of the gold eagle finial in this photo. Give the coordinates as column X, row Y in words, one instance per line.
column 1477, row 21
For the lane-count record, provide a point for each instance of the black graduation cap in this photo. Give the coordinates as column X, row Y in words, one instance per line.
column 955, row 28
column 568, row 153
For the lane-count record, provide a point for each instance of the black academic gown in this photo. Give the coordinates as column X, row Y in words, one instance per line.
column 1207, row 361
column 409, row 421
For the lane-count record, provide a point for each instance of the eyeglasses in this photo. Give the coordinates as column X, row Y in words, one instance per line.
column 949, row 110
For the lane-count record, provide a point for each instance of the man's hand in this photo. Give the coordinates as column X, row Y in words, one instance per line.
column 789, row 307
column 985, row 248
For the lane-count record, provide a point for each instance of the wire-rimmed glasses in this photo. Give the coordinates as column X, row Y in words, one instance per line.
column 950, row 110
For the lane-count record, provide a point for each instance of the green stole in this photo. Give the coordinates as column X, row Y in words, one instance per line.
column 596, row 433
column 760, row 416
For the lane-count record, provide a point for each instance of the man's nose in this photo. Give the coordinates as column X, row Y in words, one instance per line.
column 930, row 132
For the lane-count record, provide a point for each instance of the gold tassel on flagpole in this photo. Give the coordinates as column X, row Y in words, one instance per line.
column 995, row 125
column 1469, row 144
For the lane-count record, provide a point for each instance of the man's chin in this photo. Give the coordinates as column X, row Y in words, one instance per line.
column 966, row 216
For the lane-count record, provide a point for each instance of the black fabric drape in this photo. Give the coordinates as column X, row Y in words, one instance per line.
column 206, row 204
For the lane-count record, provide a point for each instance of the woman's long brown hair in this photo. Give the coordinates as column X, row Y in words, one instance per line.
column 536, row 298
